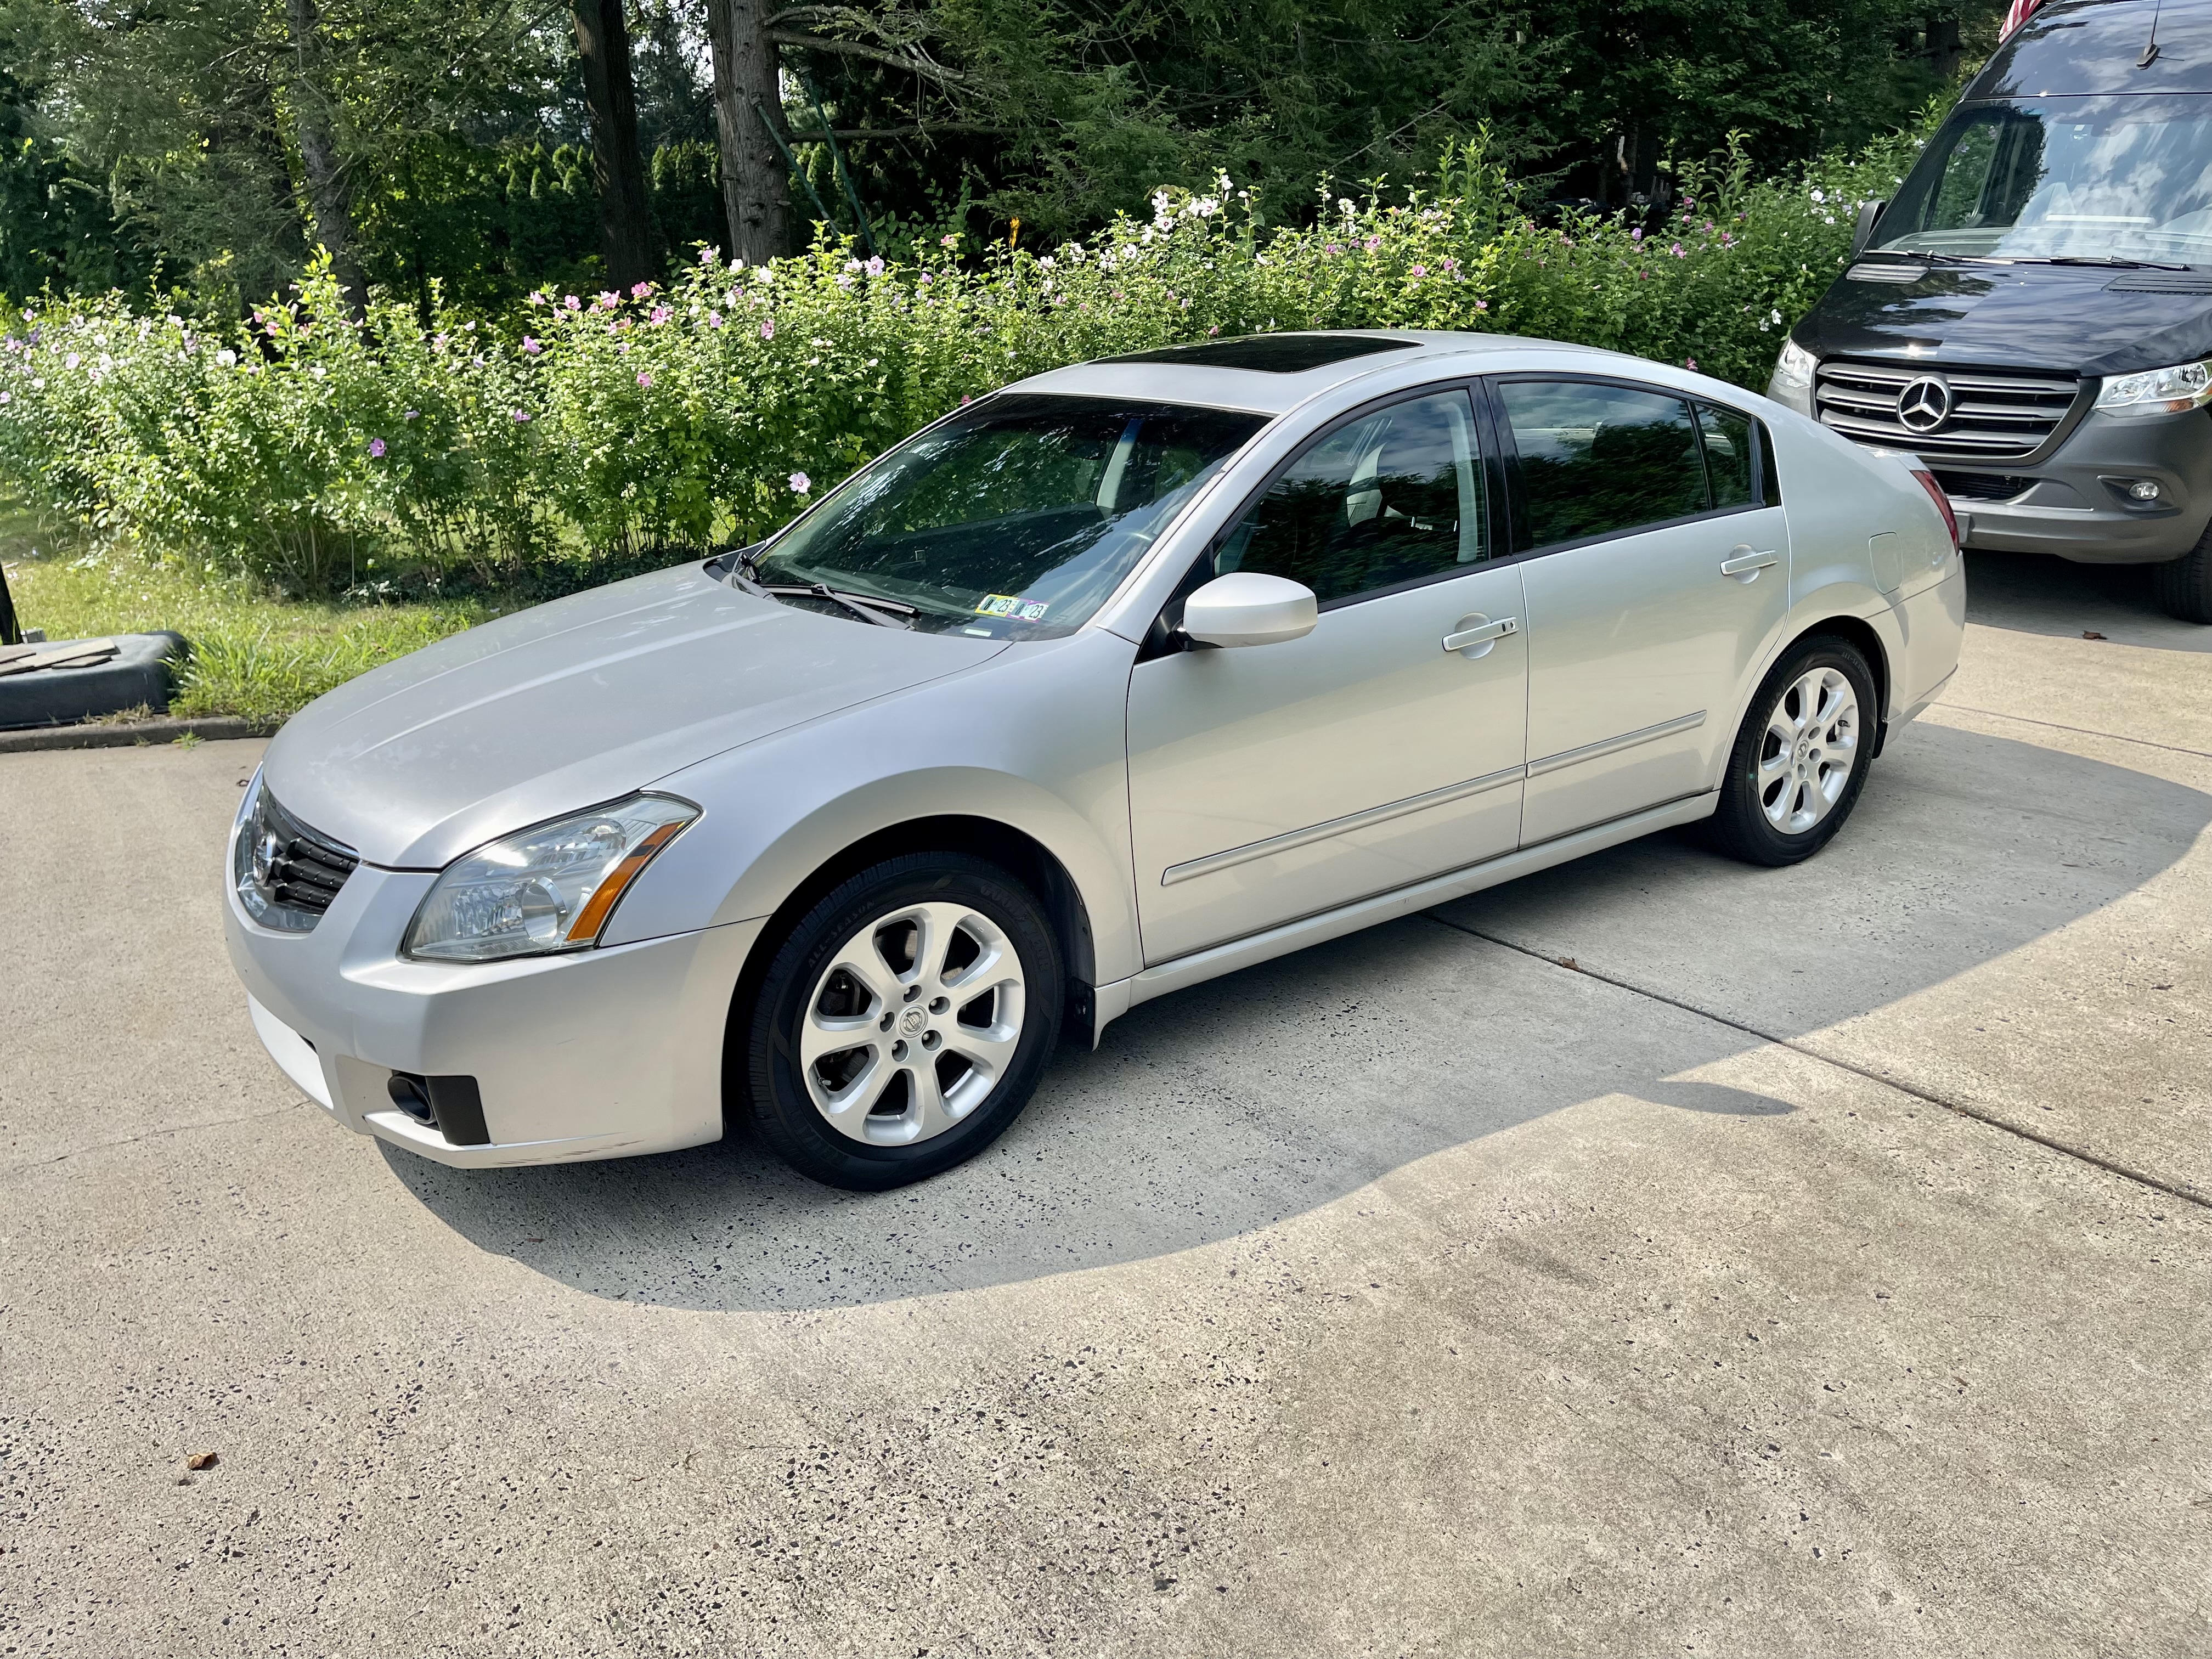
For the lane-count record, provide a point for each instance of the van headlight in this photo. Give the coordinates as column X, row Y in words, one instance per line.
column 545, row 890
column 2174, row 390
column 1793, row 369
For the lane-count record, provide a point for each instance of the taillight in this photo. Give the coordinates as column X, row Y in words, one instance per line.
column 1942, row 502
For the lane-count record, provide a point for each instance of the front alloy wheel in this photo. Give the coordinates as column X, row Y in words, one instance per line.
column 902, row 1023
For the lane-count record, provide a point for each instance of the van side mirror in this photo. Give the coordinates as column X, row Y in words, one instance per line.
column 1869, row 216
column 1247, row 607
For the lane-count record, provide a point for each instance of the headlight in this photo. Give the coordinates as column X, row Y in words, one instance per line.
column 2158, row 391
column 543, row 890
column 1794, row 369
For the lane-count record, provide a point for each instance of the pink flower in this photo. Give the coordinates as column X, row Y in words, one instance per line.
column 1677, row 252
column 1372, row 243
column 965, row 398
column 800, row 483
column 645, row 380
column 573, row 303
column 713, row 320
column 1420, row 270
column 1449, row 264
column 412, row 415
column 1482, row 305
column 948, row 241
column 1333, row 247
column 768, row 329
column 708, row 255
column 537, row 299
column 1636, row 234
column 531, row 345
column 1689, row 362
column 1216, row 329
column 638, row 291
column 521, row 415
column 876, row 267
column 376, row 448
column 660, row 314
column 608, row 300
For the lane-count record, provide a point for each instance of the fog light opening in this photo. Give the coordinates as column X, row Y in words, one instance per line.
column 2144, row 489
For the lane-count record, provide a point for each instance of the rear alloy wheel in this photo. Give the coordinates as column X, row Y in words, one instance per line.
column 904, row 1023
column 2184, row 585
column 1799, row 758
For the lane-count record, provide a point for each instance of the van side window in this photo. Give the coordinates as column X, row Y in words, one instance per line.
column 1599, row 459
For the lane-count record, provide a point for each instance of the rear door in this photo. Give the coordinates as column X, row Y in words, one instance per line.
column 1658, row 577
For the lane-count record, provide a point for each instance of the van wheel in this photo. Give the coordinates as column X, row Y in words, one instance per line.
column 903, row 1024
column 2184, row 585
column 1799, row 758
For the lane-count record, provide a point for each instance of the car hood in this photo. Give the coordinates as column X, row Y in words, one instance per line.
column 557, row 708
column 2079, row 319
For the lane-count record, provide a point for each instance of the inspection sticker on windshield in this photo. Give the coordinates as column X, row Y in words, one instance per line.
column 1007, row 605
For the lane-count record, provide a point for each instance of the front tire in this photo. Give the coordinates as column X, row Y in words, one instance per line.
column 2184, row 586
column 1799, row 758
column 903, row 1024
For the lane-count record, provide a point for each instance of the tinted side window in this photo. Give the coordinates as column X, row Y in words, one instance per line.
column 1727, row 456
column 1596, row 459
column 1388, row 498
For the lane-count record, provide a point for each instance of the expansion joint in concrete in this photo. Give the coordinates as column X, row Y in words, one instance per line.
column 1961, row 1108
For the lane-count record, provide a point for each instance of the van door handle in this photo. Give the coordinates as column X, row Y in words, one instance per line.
column 1486, row 632
column 1745, row 563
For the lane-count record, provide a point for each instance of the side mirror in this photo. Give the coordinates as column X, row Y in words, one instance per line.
column 1248, row 608
column 1869, row 216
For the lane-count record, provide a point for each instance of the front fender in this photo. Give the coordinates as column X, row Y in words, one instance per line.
column 1035, row 741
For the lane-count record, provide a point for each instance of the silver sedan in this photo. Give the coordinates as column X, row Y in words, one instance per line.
column 1130, row 675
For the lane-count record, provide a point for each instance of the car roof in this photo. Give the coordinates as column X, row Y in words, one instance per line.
column 1168, row 376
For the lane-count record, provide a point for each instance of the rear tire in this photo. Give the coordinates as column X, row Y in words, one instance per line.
column 1799, row 758
column 2184, row 585
column 902, row 1023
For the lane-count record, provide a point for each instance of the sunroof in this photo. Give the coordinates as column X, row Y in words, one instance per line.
column 1272, row 354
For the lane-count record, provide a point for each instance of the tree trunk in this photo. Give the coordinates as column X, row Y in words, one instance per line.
column 603, row 42
column 756, row 190
column 319, row 159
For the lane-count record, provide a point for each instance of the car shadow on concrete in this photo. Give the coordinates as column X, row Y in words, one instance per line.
column 2035, row 593
column 1234, row 1105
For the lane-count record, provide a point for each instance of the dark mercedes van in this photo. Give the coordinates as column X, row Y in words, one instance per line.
column 2032, row 315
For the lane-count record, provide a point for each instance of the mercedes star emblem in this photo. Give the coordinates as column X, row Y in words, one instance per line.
column 1925, row 403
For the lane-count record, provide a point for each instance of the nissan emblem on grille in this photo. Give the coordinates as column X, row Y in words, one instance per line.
column 287, row 873
column 1925, row 404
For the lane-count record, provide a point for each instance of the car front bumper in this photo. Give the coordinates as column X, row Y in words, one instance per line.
column 602, row 1054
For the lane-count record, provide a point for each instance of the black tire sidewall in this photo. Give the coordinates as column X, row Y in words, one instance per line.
column 1740, row 824
column 773, row 1094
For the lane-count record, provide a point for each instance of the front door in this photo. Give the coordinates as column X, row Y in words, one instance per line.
column 1667, row 577
column 1271, row 783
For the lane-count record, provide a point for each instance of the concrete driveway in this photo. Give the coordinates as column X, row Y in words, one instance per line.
column 1654, row 1256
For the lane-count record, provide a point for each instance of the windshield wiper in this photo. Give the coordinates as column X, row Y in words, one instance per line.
column 884, row 613
column 2109, row 261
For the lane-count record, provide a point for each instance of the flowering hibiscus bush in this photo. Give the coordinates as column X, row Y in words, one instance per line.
column 308, row 449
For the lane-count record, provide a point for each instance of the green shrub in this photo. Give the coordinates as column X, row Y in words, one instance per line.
column 303, row 449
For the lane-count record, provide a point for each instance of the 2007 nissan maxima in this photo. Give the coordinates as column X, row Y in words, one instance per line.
column 1127, row 676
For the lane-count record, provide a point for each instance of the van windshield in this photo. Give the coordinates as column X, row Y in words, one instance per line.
column 1015, row 519
column 2119, row 177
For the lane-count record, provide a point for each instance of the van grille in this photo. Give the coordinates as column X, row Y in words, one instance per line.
column 1994, row 415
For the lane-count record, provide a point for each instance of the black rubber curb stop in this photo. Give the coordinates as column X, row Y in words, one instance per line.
column 128, row 734
column 136, row 676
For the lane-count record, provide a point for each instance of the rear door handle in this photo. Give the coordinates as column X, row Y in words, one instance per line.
column 1746, row 564
column 1488, row 631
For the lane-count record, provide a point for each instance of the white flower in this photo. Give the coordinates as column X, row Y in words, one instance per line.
column 226, row 357
column 1819, row 196
column 317, row 371
column 800, row 483
column 765, row 275
column 71, row 360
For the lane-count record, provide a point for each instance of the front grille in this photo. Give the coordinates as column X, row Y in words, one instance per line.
column 289, row 873
column 1995, row 414
column 1983, row 486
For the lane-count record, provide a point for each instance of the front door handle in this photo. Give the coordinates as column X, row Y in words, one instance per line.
column 1744, row 563
column 1483, row 634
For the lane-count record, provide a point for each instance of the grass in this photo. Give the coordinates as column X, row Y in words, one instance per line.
column 259, row 653
column 252, row 654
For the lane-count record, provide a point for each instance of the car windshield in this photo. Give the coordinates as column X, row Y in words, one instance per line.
column 1016, row 519
column 2117, row 178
